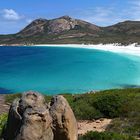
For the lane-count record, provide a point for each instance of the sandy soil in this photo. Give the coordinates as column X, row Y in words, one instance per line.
column 97, row 125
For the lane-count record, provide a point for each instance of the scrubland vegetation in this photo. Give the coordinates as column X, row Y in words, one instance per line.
column 121, row 105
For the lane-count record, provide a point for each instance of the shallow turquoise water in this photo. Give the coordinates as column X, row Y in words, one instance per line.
column 59, row 70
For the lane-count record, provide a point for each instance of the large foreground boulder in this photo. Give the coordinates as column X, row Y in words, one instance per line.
column 64, row 121
column 30, row 118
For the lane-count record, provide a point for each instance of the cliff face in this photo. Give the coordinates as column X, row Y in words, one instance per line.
column 30, row 118
column 66, row 30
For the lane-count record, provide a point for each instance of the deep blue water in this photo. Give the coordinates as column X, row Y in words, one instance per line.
column 60, row 70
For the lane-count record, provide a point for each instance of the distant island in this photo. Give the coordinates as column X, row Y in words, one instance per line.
column 66, row 30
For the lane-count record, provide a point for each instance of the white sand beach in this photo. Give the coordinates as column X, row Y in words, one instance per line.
column 132, row 49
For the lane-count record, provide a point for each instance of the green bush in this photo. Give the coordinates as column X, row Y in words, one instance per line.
column 84, row 110
column 10, row 97
column 3, row 120
column 130, row 126
column 121, row 103
column 105, row 136
column 109, row 105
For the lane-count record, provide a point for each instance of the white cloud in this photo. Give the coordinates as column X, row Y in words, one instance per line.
column 10, row 14
column 104, row 16
column 101, row 16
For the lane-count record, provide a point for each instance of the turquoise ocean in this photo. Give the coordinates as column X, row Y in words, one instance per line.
column 65, row 70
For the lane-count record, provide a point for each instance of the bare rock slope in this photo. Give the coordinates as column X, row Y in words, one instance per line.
column 55, row 26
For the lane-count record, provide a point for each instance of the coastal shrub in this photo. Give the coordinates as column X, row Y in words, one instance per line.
column 83, row 110
column 105, row 136
column 11, row 97
column 125, row 126
column 129, row 119
column 109, row 104
column 3, row 120
column 131, row 108
column 47, row 98
column 80, row 106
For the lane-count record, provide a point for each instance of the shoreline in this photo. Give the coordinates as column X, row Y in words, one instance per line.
column 132, row 49
column 115, row 48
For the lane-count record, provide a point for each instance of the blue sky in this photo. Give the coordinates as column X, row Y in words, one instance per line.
column 16, row 14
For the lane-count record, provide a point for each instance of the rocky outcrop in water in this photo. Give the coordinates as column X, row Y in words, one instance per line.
column 30, row 118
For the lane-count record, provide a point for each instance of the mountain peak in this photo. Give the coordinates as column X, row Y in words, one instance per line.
column 55, row 26
column 69, row 30
column 40, row 20
column 66, row 17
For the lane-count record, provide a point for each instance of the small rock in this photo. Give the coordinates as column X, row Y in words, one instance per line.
column 98, row 121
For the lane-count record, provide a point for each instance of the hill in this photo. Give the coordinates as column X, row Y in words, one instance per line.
column 66, row 30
